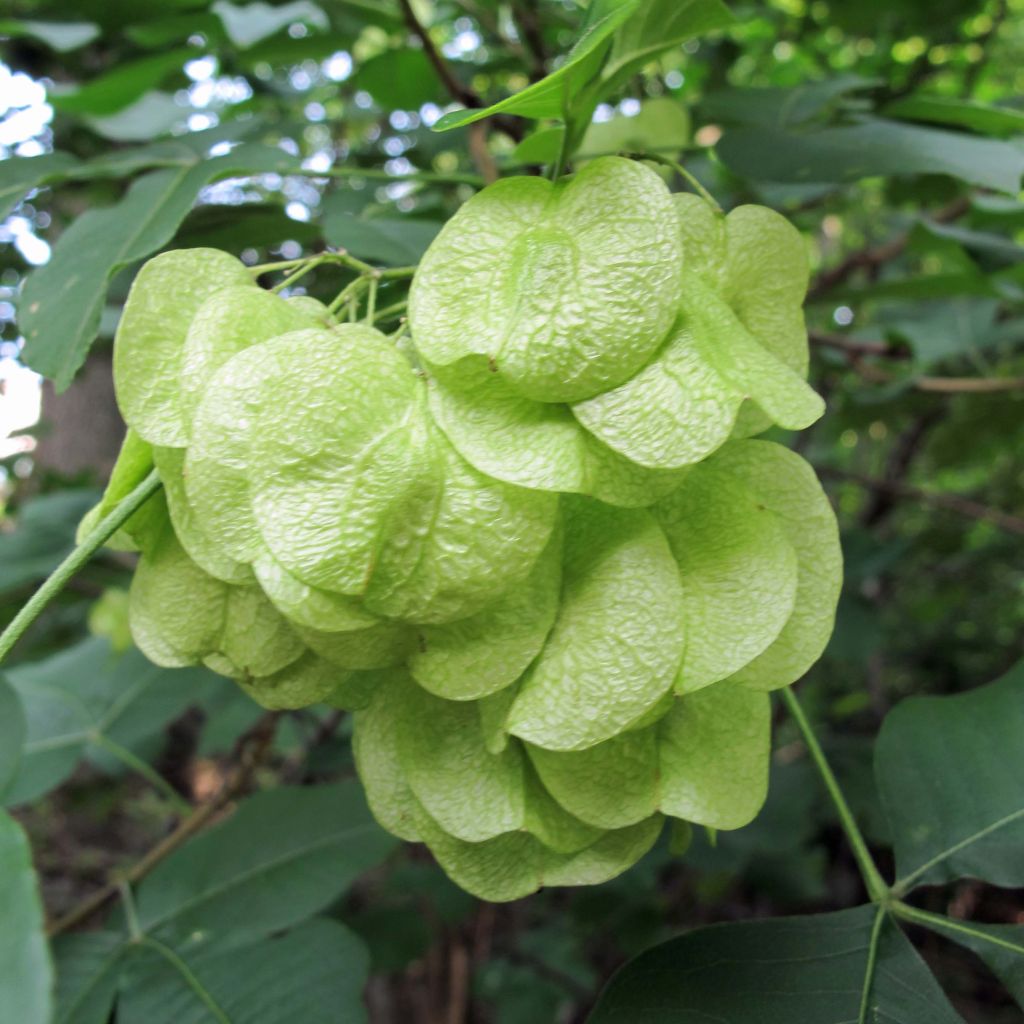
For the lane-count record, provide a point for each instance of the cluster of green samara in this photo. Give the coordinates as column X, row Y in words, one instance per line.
column 532, row 548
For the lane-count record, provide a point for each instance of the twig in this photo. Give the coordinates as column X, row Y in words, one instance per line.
column 456, row 89
column 291, row 771
column 525, row 14
column 871, row 257
column 78, row 558
column 898, row 463
column 482, row 157
column 855, row 350
column 462, row 93
column 856, row 346
column 966, row 507
column 247, row 754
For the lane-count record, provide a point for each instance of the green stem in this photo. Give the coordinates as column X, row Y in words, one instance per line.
column 938, row 922
column 869, row 968
column 57, row 580
column 300, row 272
column 131, row 917
column 345, row 294
column 201, row 993
column 371, row 300
column 681, row 171
column 266, row 268
column 390, row 312
column 150, row 774
column 877, row 889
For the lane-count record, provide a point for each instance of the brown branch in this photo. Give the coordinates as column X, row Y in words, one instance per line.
column 857, row 346
column 462, row 93
column 897, row 467
column 856, row 350
column 248, row 752
column 456, row 89
column 872, row 257
column 527, row 21
column 969, row 385
column 966, row 507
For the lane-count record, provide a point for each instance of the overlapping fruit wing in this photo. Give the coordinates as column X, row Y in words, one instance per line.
column 514, row 865
column 738, row 572
column 228, row 322
column 706, row 761
column 786, row 485
column 565, row 288
column 489, row 651
column 150, row 340
column 536, row 444
column 616, row 643
column 201, row 548
column 329, row 474
column 463, row 544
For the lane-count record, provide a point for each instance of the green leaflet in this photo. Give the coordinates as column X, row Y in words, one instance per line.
column 514, row 865
column 616, row 644
column 535, row 444
column 738, row 572
column 566, row 288
column 226, row 323
column 706, row 762
column 489, row 651
column 210, row 557
column 786, row 485
column 148, row 347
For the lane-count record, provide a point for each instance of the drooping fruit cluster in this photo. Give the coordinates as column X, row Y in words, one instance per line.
column 536, row 552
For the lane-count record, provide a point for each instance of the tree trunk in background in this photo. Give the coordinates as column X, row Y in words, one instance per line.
column 80, row 431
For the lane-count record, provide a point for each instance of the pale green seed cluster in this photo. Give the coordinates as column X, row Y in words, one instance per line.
column 538, row 555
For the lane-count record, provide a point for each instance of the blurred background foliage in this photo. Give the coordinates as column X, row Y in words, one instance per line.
column 891, row 133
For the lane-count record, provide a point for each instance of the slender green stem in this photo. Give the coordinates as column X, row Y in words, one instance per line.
column 131, row 917
column 657, row 158
column 877, row 889
column 390, row 312
column 300, row 272
column 563, row 150
column 58, row 579
column 150, row 774
column 394, row 273
column 266, row 268
column 371, row 300
column 346, row 293
column 939, row 922
column 869, row 967
column 187, row 976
